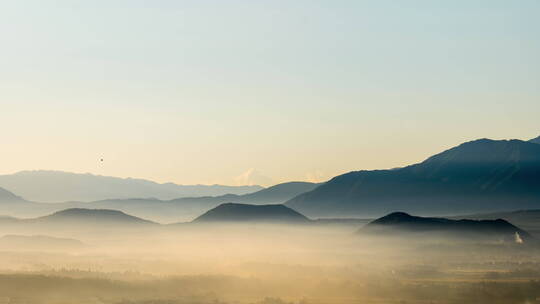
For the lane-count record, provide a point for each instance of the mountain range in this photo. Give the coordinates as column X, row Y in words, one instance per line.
column 180, row 209
column 478, row 176
column 58, row 186
column 475, row 177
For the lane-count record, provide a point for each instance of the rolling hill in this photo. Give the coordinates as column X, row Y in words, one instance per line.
column 76, row 222
column 400, row 223
column 238, row 213
column 478, row 176
column 527, row 219
column 79, row 217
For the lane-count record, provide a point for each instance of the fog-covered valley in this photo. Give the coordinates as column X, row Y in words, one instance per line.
column 264, row 263
column 452, row 229
column 269, row 152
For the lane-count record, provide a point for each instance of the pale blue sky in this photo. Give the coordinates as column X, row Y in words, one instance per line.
column 203, row 91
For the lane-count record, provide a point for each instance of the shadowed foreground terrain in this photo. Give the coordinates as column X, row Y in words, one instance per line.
column 217, row 289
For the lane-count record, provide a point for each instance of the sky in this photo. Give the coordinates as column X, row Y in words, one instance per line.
column 260, row 92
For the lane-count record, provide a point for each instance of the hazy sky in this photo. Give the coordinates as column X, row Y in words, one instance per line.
column 251, row 91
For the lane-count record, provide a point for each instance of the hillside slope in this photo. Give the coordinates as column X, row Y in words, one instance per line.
column 237, row 213
column 482, row 175
column 403, row 224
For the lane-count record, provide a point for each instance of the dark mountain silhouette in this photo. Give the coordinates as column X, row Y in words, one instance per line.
column 527, row 219
column 403, row 223
column 182, row 209
column 57, row 186
column 153, row 209
column 481, row 175
column 535, row 140
column 230, row 212
column 78, row 216
column 77, row 221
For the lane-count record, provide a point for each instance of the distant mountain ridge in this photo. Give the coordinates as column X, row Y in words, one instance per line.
column 277, row 194
column 535, row 140
column 475, row 177
column 181, row 209
column 58, row 186
column 8, row 197
column 481, row 175
column 274, row 194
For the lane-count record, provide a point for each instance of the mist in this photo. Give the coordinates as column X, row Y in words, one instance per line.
column 269, row 152
column 259, row 263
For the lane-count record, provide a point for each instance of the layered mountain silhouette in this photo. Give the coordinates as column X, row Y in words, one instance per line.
column 276, row 194
column 477, row 176
column 58, row 186
column 279, row 193
column 181, row 209
column 231, row 212
column 399, row 223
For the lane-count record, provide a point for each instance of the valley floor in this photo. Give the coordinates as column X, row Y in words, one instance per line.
column 272, row 264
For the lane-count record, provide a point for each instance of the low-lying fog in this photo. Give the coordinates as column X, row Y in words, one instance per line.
column 256, row 263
